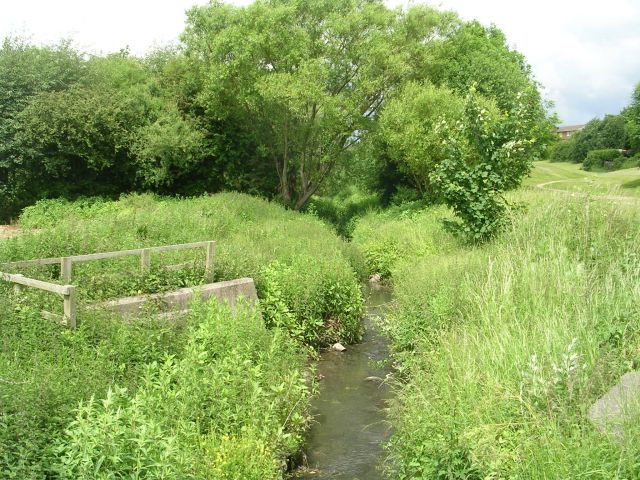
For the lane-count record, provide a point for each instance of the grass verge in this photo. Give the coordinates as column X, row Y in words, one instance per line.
column 501, row 350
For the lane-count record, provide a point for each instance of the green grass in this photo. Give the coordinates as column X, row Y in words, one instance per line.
column 501, row 349
column 213, row 397
column 569, row 177
column 314, row 283
column 385, row 238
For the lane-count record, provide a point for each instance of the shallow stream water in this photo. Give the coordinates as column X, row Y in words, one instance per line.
column 346, row 441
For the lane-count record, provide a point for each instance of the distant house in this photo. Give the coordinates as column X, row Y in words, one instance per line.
column 565, row 132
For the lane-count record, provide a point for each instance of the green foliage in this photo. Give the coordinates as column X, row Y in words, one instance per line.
column 343, row 210
column 400, row 233
column 562, row 151
column 315, row 312
column 465, row 152
column 25, row 72
column 503, row 348
column 413, row 140
column 632, row 115
column 488, row 154
column 477, row 55
column 215, row 396
column 306, row 77
column 167, row 149
column 608, row 133
column 250, row 235
column 605, row 159
column 230, row 406
column 45, row 371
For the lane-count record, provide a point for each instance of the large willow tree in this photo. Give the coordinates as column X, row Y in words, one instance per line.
column 306, row 77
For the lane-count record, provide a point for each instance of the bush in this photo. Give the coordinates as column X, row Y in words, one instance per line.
column 232, row 406
column 562, row 151
column 45, row 371
column 606, row 159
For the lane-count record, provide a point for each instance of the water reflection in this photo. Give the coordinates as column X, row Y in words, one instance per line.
column 351, row 428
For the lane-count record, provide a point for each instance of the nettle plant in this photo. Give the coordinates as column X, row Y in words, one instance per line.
column 487, row 152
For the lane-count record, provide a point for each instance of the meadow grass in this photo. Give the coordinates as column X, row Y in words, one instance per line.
column 569, row 177
column 213, row 396
column 501, row 349
column 396, row 234
column 301, row 268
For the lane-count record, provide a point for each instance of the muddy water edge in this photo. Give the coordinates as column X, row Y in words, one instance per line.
column 350, row 429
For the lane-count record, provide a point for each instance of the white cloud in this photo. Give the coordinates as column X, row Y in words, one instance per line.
column 585, row 53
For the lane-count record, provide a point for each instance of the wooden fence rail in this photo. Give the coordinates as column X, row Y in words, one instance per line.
column 68, row 292
column 66, row 263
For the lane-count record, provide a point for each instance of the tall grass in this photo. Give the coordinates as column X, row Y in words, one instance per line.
column 401, row 233
column 314, row 285
column 502, row 349
column 215, row 396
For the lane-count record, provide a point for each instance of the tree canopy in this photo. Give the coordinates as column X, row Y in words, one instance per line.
column 272, row 99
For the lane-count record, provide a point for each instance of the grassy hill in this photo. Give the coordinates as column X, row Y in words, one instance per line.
column 568, row 177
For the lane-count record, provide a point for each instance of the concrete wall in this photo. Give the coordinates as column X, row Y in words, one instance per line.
column 180, row 300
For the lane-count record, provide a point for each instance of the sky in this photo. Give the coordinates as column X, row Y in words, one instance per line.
column 586, row 54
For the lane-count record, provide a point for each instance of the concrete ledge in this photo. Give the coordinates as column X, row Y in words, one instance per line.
column 180, row 300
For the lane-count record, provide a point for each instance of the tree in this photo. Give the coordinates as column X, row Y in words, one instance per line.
column 409, row 127
column 609, row 133
column 466, row 152
column 306, row 77
column 632, row 115
column 25, row 72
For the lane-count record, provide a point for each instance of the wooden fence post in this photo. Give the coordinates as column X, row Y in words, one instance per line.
column 17, row 288
column 66, row 269
column 145, row 260
column 208, row 269
column 70, row 314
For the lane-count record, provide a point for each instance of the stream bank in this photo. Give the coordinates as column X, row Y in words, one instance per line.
column 347, row 438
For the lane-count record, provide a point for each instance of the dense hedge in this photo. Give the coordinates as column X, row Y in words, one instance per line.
column 605, row 159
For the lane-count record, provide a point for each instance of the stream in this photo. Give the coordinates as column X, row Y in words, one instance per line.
column 350, row 429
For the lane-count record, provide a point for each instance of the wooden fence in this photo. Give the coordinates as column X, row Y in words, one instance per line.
column 68, row 291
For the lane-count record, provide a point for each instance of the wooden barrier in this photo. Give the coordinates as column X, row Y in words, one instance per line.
column 68, row 292
column 66, row 263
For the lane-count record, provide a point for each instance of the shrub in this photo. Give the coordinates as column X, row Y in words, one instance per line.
column 230, row 407
column 46, row 370
column 562, row 151
column 606, row 159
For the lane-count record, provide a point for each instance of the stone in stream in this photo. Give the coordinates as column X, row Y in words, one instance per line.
column 338, row 347
column 619, row 405
column 374, row 379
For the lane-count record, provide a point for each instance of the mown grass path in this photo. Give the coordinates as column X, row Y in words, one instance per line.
column 568, row 179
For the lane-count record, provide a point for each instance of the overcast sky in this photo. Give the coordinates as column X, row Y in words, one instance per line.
column 585, row 53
